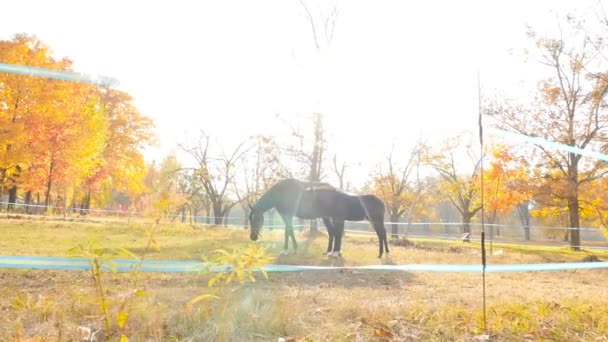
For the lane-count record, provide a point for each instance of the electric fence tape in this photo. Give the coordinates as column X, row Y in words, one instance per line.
column 124, row 265
column 58, row 74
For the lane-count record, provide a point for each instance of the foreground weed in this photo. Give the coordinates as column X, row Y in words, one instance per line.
column 101, row 259
column 230, row 267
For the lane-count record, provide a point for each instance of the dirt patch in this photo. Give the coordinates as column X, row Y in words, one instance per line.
column 455, row 249
column 591, row 258
column 401, row 242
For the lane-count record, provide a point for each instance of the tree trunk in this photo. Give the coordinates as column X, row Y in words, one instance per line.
column 86, row 204
column 523, row 210
column 317, row 159
column 12, row 198
column 217, row 213
column 245, row 217
column 497, row 227
column 207, row 213
column 226, row 218
column 466, row 228
column 12, row 192
column 193, row 214
column 49, row 183
column 575, row 237
column 394, row 226
column 37, row 200
column 2, row 172
column 527, row 232
column 28, row 201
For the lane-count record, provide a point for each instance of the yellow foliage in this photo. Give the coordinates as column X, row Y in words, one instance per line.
column 241, row 264
column 61, row 135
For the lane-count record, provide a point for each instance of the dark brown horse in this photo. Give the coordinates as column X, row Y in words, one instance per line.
column 312, row 200
column 286, row 197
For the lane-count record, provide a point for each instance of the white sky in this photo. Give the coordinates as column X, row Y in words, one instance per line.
column 395, row 69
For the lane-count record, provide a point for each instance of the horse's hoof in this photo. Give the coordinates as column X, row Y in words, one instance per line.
column 284, row 253
column 335, row 254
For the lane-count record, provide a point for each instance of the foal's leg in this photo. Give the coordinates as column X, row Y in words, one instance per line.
column 338, row 232
column 330, row 231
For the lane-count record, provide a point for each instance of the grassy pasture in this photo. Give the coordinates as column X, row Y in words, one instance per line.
column 345, row 305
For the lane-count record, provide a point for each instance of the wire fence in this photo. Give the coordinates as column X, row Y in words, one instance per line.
column 591, row 237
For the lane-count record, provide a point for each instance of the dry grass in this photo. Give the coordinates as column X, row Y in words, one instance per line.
column 345, row 305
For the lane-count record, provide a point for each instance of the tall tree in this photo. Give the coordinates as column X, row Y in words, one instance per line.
column 70, row 130
column 322, row 24
column 169, row 199
column 18, row 96
column 128, row 131
column 59, row 137
column 570, row 109
column 309, row 161
column 507, row 185
column 398, row 186
column 215, row 174
column 461, row 188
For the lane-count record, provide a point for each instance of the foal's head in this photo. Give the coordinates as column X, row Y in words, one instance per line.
column 256, row 219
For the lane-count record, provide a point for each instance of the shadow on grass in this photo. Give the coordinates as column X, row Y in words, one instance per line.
column 341, row 278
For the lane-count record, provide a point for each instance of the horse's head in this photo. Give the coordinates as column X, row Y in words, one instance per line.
column 256, row 219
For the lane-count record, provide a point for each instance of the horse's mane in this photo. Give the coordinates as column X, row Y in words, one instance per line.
column 318, row 186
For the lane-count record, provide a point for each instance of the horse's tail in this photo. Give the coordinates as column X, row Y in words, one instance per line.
column 374, row 212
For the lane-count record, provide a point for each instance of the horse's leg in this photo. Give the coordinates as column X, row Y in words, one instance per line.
column 384, row 236
column 288, row 231
column 330, row 231
column 378, row 224
column 293, row 239
column 338, row 232
column 382, row 230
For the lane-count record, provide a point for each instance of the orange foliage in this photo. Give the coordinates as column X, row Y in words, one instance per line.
column 64, row 138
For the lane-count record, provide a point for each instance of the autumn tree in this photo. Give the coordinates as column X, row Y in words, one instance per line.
column 322, row 24
column 18, row 97
column 169, row 194
column 52, row 126
column 595, row 205
column 507, row 185
column 57, row 136
column 308, row 154
column 61, row 150
column 215, row 174
column 569, row 109
column 261, row 167
column 399, row 185
column 322, row 21
column 461, row 188
column 127, row 131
